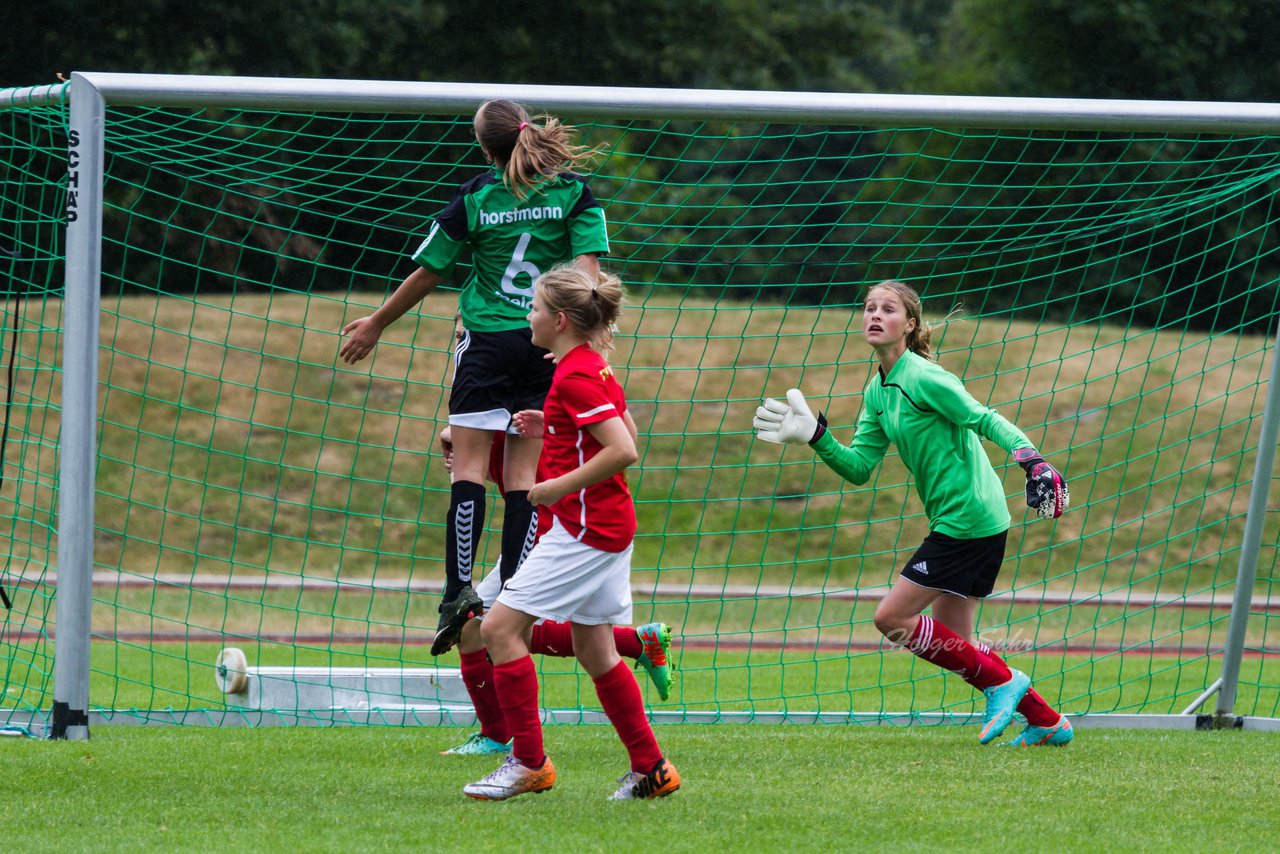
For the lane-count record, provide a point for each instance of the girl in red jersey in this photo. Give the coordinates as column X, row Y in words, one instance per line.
column 647, row 645
column 580, row 569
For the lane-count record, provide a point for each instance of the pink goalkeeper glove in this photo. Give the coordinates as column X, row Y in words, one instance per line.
column 1047, row 491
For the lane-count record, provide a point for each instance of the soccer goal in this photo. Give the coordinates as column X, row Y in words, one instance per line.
column 197, row 493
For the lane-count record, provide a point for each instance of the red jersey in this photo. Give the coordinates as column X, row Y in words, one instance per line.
column 584, row 391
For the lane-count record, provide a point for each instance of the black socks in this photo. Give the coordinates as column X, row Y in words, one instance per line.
column 519, row 527
column 462, row 534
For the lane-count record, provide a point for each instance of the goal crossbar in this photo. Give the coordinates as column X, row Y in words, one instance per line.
column 173, row 90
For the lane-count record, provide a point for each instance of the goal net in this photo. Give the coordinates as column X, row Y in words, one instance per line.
column 1112, row 293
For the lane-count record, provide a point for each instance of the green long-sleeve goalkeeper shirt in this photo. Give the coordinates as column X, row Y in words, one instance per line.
column 935, row 424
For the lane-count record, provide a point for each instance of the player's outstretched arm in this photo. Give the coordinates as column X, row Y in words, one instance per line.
column 1047, row 491
column 791, row 422
column 794, row 422
column 363, row 333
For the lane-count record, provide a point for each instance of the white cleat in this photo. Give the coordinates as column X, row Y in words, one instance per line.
column 512, row 779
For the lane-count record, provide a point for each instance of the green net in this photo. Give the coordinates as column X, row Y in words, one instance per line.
column 1118, row 297
column 34, row 163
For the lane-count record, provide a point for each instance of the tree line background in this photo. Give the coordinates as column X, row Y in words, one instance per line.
column 1137, row 49
column 1216, row 50
column 1177, row 49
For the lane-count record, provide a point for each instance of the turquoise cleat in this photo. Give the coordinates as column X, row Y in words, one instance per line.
column 655, row 638
column 1045, row 736
column 478, row 745
column 1002, row 702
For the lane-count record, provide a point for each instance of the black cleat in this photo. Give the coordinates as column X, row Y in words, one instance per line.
column 453, row 616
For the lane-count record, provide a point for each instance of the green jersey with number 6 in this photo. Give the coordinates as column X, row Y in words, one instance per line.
column 512, row 243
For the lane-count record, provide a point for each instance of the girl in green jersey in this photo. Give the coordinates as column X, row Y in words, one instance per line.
column 526, row 215
column 937, row 427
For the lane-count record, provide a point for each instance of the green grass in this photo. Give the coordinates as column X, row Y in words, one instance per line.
column 746, row 788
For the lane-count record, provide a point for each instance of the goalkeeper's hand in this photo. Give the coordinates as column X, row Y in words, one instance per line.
column 1047, row 491
column 791, row 422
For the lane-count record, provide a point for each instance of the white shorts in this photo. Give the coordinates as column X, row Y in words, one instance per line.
column 563, row 579
column 489, row 588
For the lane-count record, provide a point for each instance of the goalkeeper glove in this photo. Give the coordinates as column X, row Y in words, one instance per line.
column 1047, row 491
column 791, row 422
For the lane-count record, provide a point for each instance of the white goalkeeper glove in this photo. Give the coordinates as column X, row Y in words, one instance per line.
column 792, row 422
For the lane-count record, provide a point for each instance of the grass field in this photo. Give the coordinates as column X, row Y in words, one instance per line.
column 746, row 788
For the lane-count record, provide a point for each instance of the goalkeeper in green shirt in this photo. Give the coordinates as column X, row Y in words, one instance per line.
column 526, row 215
column 937, row 427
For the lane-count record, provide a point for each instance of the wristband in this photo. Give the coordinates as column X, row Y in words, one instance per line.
column 1027, row 457
column 821, row 431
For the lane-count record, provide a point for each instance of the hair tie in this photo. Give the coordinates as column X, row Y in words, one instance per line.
column 523, row 125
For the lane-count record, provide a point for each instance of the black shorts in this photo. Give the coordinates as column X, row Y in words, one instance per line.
column 495, row 375
column 962, row 567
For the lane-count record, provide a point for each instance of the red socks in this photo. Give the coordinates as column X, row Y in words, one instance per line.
column 517, row 684
column 517, row 690
column 620, row 697
column 937, row 644
column 477, row 675
column 556, row 639
column 975, row 664
column 1033, row 707
column 1037, row 712
column 627, row 642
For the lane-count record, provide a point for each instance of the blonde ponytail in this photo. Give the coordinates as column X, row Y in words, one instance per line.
column 528, row 153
